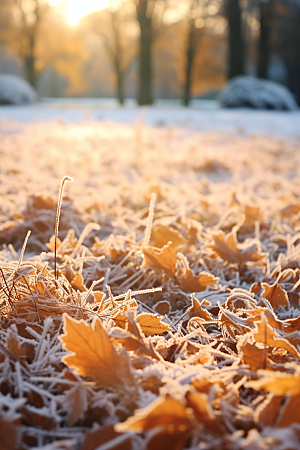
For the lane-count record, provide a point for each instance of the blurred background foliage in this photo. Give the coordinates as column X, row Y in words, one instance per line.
column 147, row 49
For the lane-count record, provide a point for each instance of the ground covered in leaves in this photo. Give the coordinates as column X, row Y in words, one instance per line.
column 174, row 319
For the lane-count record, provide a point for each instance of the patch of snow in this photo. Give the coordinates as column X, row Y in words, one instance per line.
column 256, row 93
column 15, row 91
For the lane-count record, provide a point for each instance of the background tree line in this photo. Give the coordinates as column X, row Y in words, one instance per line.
column 180, row 48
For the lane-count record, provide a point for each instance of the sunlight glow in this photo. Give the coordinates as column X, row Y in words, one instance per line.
column 74, row 10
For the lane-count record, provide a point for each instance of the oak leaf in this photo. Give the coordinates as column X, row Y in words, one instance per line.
column 191, row 283
column 152, row 325
column 94, row 439
column 276, row 295
column 229, row 249
column 162, row 234
column 161, row 259
column 75, row 403
column 93, row 354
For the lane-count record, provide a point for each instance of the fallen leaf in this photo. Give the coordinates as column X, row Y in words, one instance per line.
column 191, row 283
column 161, row 259
column 197, row 310
column 14, row 346
column 228, row 248
column 166, row 412
column 152, row 325
column 162, row 234
column 93, row 354
column 276, row 295
column 267, row 411
column 277, row 382
column 289, row 412
column 199, row 402
column 75, row 403
column 8, row 433
column 255, row 357
column 265, row 334
column 93, row 439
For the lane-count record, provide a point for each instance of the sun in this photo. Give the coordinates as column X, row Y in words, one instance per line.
column 74, row 10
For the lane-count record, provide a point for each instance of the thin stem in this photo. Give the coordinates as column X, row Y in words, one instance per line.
column 61, row 188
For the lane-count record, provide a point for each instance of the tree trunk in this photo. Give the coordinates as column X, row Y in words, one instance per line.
column 190, row 53
column 236, row 60
column 30, row 61
column 145, row 70
column 266, row 24
column 120, row 82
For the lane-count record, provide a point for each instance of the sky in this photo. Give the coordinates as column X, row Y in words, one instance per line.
column 74, row 10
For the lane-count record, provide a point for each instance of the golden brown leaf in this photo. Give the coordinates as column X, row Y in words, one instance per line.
column 199, row 402
column 276, row 295
column 267, row 411
column 191, row 283
column 15, row 348
column 290, row 411
column 75, row 403
column 228, row 248
column 93, row 354
column 166, row 412
column 277, row 382
column 196, row 310
column 265, row 334
column 95, row 438
column 255, row 357
column 162, row 234
column 152, row 325
column 161, row 259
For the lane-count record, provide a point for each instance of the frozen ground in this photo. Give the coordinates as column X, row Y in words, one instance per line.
column 224, row 226
column 276, row 123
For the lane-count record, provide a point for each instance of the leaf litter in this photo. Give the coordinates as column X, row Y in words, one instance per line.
column 164, row 312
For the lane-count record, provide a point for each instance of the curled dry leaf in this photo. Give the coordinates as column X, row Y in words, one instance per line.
column 161, row 259
column 228, row 248
column 265, row 334
column 152, row 324
column 93, row 354
column 276, row 295
column 162, row 234
column 191, row 283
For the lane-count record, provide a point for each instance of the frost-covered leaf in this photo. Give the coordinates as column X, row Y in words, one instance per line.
column 75, row 402
column 228, row 248
column 162, row 234
column 276, row 295
column 93, row 354
column 161, row 259
column 152, row 324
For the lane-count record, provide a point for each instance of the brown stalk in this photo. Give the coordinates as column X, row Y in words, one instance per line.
column 61, row 188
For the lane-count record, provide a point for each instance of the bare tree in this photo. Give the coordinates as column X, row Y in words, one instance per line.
column 114, row 26
column 236, row 54
column 22, row 33
column 190, row 50
column 267, row 12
